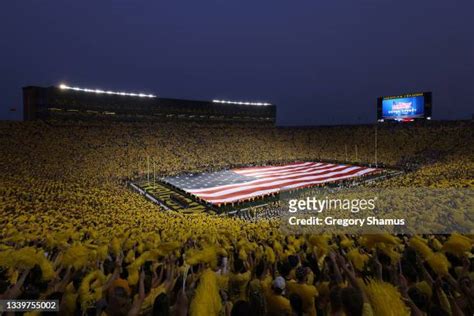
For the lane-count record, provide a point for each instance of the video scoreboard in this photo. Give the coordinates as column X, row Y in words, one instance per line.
column 405, row 107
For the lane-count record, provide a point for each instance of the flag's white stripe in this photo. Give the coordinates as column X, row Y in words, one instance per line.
column 252, row 169
column 262, row 169
column 293, row 186
column 315, row 170
column 301, row 170
column 278, row 182
column 263, row 172
column 285, row 171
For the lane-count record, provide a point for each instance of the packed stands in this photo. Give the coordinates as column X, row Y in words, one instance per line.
column 72, row 230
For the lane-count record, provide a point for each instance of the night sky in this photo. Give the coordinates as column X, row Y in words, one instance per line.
column 321, row 62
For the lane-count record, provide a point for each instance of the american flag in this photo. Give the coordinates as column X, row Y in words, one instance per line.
column 242, row 184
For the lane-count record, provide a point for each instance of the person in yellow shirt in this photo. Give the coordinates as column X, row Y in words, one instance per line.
column 239, row 281
column 257, row 289
column 307, row 293
column 277, row 304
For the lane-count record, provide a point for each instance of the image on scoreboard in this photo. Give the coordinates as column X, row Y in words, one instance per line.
column 402, row 108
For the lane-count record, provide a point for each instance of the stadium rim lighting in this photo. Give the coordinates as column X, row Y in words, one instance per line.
column 241, row 103
column 98, row 91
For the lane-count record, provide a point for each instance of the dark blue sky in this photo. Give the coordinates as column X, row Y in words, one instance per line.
column 321, row 62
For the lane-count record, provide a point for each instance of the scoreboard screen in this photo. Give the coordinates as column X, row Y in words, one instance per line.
column 404, row 108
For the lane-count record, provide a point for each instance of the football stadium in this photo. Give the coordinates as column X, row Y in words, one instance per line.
column 124, row 203
column 237, row 158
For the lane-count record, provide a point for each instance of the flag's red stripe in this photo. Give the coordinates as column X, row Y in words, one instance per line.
column 283, row 171
column 270, row 168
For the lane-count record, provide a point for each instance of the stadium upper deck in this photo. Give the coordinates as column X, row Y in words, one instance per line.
column 70, row 102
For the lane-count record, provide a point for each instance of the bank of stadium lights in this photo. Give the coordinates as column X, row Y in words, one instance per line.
column 241, row 103
column 98, row 91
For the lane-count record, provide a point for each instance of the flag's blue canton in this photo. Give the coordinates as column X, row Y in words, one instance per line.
column 207, row 180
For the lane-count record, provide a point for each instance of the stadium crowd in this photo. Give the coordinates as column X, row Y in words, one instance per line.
column 71, row 230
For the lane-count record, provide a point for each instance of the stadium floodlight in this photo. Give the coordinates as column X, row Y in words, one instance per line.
column 241, row 103
column 99, row 91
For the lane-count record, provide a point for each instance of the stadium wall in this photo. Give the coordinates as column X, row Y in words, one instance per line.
column 57, row 103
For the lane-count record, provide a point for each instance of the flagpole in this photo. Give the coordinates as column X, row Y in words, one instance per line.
column 148, row 168
column 376, row 146
column 140, row 167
